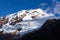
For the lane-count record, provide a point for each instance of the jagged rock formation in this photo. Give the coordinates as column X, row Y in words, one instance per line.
column 49, row 30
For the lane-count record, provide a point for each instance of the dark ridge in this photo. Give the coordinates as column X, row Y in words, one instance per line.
column 50, row 30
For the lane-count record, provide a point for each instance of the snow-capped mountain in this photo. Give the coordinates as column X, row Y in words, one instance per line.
column 24, row 21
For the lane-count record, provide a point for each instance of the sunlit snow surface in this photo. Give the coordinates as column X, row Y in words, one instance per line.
column 28, row 24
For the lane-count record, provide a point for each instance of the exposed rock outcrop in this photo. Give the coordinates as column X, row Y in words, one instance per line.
column 16, row 20
column 4, row 20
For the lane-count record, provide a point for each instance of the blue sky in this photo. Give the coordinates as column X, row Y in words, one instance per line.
column 12, row 6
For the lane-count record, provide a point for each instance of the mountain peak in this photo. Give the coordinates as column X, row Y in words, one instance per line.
column 22, row 20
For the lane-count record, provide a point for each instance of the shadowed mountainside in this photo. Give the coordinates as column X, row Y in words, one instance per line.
column 49, row 30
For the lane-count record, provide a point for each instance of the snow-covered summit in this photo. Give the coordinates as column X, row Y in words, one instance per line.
column 25, row 20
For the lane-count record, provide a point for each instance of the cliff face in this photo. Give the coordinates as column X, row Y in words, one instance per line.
column 50, row 29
